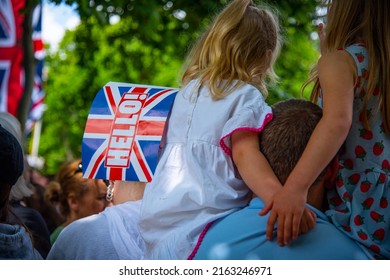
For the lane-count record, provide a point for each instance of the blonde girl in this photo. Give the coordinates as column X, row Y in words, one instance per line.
column 212, row 154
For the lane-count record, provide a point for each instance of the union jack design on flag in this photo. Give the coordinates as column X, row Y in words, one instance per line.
column 7, row 24
column 11, row 55
column 123, row 131
column 38, row 94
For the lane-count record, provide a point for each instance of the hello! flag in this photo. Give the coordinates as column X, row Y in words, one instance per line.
column 123, row 131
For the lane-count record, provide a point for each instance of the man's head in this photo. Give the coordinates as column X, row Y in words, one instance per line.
column 284, row 139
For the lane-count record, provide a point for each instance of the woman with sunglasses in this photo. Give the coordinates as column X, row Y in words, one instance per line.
column 74, row 196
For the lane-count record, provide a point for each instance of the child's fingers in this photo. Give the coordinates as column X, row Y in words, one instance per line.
column 312, row 220
column 271, row 225
column 267, row 207
column 321, row 36
column 280, row 230
column 271, row 219
column 314, row 216
column 296, row 221
column 287, row 235
column 304, row 226
column 308, row 221
column 320, row 30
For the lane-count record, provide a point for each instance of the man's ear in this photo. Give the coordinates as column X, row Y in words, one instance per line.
column 331, row 172
column 73, row 202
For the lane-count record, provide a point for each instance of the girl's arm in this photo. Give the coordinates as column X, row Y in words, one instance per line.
column 337, row 74
column 253, row 166
column 258, row 174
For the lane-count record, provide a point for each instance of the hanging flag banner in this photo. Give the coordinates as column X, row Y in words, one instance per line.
column 11, row 55
column 38, row 94
column 123, row 131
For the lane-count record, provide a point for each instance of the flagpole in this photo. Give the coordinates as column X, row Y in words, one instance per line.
column 36, row 138
column 34, row 159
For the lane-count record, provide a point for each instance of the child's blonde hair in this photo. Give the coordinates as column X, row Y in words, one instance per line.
column 368, row 22
column 239, row 47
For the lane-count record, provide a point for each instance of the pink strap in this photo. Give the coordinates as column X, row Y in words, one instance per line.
column 200, row 239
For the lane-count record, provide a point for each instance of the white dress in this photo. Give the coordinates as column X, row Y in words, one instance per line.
column 196, row 181
column 110, row 235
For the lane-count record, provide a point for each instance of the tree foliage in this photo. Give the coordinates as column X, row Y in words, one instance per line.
column 147, row 45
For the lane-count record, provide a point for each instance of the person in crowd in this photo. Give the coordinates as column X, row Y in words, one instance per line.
column 12, row 124
column 15, row 239
column 211, row 162
column 21, row 213
column 242, row 234
column 77, row 197
column 50, row 214
column 111, row 235
column 351, row 83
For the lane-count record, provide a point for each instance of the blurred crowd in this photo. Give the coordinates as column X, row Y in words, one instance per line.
column 42, row 206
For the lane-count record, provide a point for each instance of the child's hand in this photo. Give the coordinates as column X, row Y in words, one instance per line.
column 321, row 36
column 286, row 208
column 308, row 221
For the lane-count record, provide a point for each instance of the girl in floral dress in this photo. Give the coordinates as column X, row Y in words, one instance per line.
column 352, row 83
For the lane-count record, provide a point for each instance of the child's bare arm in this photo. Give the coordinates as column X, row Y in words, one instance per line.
column 257, row 173
column 253, row 166
column 337, row 82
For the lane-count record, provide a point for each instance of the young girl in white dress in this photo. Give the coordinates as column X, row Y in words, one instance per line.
column 211, row 162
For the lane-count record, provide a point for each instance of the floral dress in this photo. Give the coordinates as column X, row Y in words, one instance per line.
column 359, row 203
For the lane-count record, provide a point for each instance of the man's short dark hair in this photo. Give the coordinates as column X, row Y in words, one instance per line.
column 284, row 139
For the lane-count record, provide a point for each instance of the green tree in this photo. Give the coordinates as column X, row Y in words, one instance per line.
column 146, row 46
column 87, row 59
column 299, row 50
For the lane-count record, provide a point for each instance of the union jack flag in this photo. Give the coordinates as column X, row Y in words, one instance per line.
column 7, row 24
column 38, row 94
column 11, row 55
column 123, row 131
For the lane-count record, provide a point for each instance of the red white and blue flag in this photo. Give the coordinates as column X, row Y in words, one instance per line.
column 123, row 131
column 38, row 94
column 11, row 60
column 7, row 24
column 11, row 55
